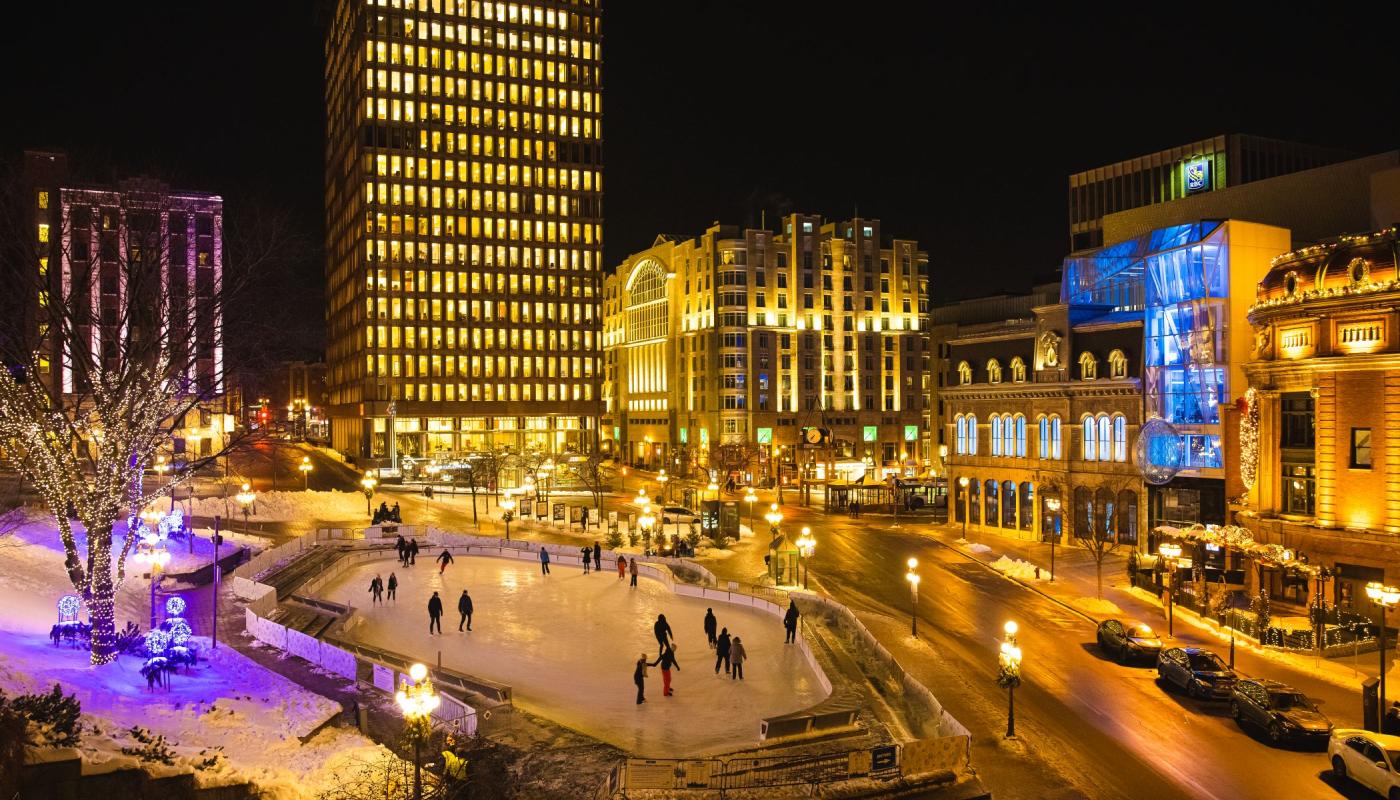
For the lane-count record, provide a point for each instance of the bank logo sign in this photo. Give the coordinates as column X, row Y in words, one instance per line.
column 1198, row 176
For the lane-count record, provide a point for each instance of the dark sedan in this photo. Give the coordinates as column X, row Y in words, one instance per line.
column 1127, row 641
column 1282, row 711
column 1197, row 670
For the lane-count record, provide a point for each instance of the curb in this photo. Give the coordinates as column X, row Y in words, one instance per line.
column 1017, row 581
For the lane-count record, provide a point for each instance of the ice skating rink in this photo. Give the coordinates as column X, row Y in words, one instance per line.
column 567, row 644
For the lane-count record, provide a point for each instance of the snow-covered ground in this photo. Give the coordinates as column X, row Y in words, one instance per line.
column 567, row 644
column 285, row 507
column 1016, row 568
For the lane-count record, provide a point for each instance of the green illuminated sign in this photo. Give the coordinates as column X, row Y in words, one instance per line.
column 911, row 433
column 765, row 435
column 872, row 433
column 685, row 435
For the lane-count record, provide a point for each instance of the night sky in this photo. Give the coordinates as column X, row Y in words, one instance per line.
column 958, row 128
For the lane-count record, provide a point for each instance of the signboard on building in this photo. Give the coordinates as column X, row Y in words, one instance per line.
column 559, row 511
column 911, row 433
column 765, row 436
column 871, row 433
column 1197, row 176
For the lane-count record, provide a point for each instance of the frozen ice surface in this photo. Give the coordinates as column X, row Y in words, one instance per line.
column 567, row 645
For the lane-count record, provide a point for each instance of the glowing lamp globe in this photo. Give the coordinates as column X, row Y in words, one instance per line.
column 1159, row 451
column 180, row 632
column 157, row 642
column 68, row 606
column 417, row 672
column 175, row 606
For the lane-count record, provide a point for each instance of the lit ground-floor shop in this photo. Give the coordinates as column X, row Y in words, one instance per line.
column 1048, row 506
column 366, row 439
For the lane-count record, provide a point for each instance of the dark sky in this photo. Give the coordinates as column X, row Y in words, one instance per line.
column 955, row 125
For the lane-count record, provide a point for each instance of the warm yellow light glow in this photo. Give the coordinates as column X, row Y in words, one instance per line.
column 1010, row 627
column 1380, row 593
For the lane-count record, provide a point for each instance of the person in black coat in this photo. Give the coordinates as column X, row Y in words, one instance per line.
column 639, row 677
column 402, row 547
column 376, row 588
column 412, row 552
column 395, row 515
column 434, row 613
column 464, row 605
column 443, row 560
column 722, row 651
column 597, row 557
column 790, row 622
column 710, row 625
column 393, row 586
column 662, row 629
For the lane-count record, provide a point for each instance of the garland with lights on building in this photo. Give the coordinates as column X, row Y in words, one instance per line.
column 1249, row 439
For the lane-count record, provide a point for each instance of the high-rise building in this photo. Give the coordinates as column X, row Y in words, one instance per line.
column 463, row 226
column 749, row 338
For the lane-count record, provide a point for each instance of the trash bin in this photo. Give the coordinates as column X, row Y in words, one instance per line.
column 1371, row 704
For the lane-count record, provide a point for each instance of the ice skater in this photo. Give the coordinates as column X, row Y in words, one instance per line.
column 668, row 661
column 443, row 560
column 393, row 587
column 639, row 677
column 376, row 588
column 790, row 622
column 633, row 569
column 412, row 548
column 664, row 637
column 621, row 567
column 710, row 625
column 402, row 547
column 722, row 651
column 587, row 556
column 434, row 613
column 597, row 557
column 737, row 655
column 544, row 561
column 464, row 606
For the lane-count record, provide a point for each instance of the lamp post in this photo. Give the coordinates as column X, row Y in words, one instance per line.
column 750, row 498
column 775, row 518
column 368, row 481
column 1052, row 504
column 967, row 504
column 1385, row 597
column 1009, row 674
column 507, row 505
column 1170, row 553
column 305, row 467
column 245, row 499
column 806, row 545
column 913, row 578
column 417, row 701
column 151, row 550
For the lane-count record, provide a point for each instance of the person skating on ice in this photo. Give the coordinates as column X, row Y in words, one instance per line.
column 722, row 651
column 443, row 560
column 464, row 606
column 621, row 567
column 710, row 625
column 412, row 549
column 639, row 677
column 668, row 661
column 597, row 557
column 393, row 587
column 737, row 656
column 401, row 547
column 587, row 556
column 664, row 637
column 633, row 568
column 434, row 613
column 376, row 588
column 790, row 622
column 544, row 561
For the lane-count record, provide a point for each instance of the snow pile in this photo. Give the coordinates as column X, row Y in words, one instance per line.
column 287, row 507
column 976, row 547
column 1018, row 569
column 1095, row 606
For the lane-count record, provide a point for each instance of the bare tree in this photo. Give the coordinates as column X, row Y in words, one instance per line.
column 734, row 457
column 94, row 389
column 594, row 473
column 1095, row 526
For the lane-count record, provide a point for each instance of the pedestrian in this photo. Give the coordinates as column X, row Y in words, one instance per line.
column 381, row 514
column 633, row 570
column 597, row 557
column 710, row 625
column 376, row 588
column 393, row 587
column 412, row 549
column 443, row 560
column 722, row 651
column 402, row 547
column 639, row 677
column 544, row 561
column 738, row 655
column 729, row 484
column 464, row 606
column 434, row 613
column 587, row 556
column 662, row 629
column 790, row 622
column 583, row 518
column 395, row 516
column 668, row 661
column 621, row 567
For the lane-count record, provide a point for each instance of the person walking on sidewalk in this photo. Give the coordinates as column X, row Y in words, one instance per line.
column 738, row 655
column 664, row 636
column 790, row 622
column 443, row 560
column 710, row 625
column 633, row 569
column 587, row 555
column 434, row 614
column 722, row 651
column 376, row 588
column 639, row 677
column 668, row 661
column 544, row 561
column 621, row 567
column 597, row 557
column 464, row 606
column 393, row 587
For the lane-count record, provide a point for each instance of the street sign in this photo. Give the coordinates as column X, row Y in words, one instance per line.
column 884, row 759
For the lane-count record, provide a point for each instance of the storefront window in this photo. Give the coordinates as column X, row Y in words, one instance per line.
column 1127, row 517
column 990, row 497
column 1008, row 504
column 1298, row 489
column 1027, row 507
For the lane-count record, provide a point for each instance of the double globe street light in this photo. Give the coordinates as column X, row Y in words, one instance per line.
column 1009, row 673
column 1386, row 597
column 368, row 482
column 806, row 545
column 418, row 702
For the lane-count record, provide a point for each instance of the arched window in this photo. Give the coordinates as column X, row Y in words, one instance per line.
column 1088, row 366
column 1043, row 440
column 961, row 439
column 972, row 434
column 1018, row 370
column 1117, row 364
column 989, row 496
column 1083, row 512
column 1055, row 436
column 1120, row 438
column 1105, row 438
column 996, row 435
column 1008, row 432
column 1008, row 504
column 974, row 501
column 1027, row 505
column 964, row 373
column 993, row 371
column 1020, row 436
column 1127, row 517
column 1104, row 503
column 1091, row 440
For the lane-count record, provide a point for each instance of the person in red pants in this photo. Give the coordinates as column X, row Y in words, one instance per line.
column 667, row 661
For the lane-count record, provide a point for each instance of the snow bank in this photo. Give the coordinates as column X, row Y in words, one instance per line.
column 287, row 506
column 976, row 547
column 1018, row 569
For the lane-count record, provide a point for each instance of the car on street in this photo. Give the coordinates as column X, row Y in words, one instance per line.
column 1282, row 711
column 1197, row 670
column 1126, row 641
column 672, row 515
column 1370, row 759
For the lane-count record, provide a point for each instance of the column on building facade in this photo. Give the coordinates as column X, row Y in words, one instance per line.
column 1268, row 475
column 1392, row 453
column 1325, row 410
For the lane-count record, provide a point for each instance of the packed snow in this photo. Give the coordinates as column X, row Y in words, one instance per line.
column 287, row 507
column 976, row 547
column 1018, row 569
column 567, row 644
column 1095, row 607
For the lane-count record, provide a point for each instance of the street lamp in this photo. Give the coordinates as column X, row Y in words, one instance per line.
column 913, row 578
column 305, row 468
column 1385, row 597
column 1009, row 674
column 775, row 518
column 507, row 505
column 1170, row 553
column 1052, row 504
column 806, row 545
column 368, row 481
column 245, row 499
column 967, row 504
column 417, row 701
column 151, row 550
column 750, row 497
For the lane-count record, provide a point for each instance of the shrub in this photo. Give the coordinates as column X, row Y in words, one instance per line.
column 54, row 719
column 153, row 747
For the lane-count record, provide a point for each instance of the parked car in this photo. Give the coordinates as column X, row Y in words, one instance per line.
column 1370, row 759
column 671, row 515
column 1197, row 670
column 1284, row 712
column 1126, row 641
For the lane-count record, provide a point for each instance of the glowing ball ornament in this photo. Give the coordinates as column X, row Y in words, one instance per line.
column 68, row 606
column 175, row 606
column 179, row 630
column 1159, row 451
column 157, row 642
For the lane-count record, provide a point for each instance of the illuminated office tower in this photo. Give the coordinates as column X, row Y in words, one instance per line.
column 463, row 226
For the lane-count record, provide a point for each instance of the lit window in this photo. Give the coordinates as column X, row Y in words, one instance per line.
column 994, row 371
column 43, row 232
column 1044, row 438
column 1055, row 437
column 1117, row 365
column 996, row 435
column 1018, row 370
column 1120, row 438
column 1105, row 438
column 1090, row 448
column 961, row 423
column 43, row 199
column 972, row 434
column 1020, row 436
column 964, row 373
column 1088, row 366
